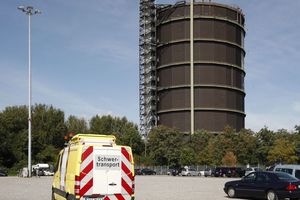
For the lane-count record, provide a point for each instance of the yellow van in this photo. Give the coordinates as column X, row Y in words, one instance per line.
column 94, row 167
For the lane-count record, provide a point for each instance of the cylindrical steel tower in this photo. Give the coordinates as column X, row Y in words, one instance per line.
column 218, row 86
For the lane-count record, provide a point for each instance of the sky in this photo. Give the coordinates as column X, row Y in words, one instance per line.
column 85, row 58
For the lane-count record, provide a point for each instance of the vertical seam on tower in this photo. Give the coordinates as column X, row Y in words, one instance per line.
column 192, row 63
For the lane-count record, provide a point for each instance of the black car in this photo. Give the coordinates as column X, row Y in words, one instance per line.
column 137, row 171
column 264, row 185
column 175, row 171
column 2, row 173
column 220, row 172
column 235, row 172
column 147, row 171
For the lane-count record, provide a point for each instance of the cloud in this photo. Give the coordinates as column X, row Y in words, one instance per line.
column 109, row 50
column 274, row 121
column 15, row 81
column 296, row 106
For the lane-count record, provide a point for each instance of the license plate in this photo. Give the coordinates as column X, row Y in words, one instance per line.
column 299, row 186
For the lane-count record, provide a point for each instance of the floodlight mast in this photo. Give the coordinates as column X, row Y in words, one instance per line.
column 29, row 10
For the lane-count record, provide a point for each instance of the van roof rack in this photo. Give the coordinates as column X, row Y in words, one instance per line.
column 93, row 139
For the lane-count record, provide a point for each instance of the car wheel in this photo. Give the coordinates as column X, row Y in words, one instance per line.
column 199, row 174
column 189, row 174
column 271, row 195
column 231, row 192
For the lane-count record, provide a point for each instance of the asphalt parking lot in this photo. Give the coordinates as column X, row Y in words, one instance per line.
column 147, row 188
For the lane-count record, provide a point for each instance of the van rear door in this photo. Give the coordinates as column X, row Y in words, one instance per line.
column 106, row 172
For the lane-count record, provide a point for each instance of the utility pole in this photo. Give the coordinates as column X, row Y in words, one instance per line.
column 29, row 10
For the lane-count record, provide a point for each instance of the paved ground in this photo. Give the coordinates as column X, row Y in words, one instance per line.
column 147, row 187
column 180, row 188
column 15, row 188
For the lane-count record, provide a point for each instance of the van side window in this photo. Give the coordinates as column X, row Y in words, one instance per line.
column 297, row 173
column 278, row 169
column 287, row 170
column 57, row 163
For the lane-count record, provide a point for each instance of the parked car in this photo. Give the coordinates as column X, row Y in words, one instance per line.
column 270, row 168
column 252, row 169
column 264, row 185
column 3, row 173
column 208, row 172
column 169, row 172
column 48, row 173
column 220, row 172
column 293, row 170
column 37, row 172
column 201, row 172
column 235, row 172
column 147, row 171
column 190, row 172
column 137, row 172
column 174, row 171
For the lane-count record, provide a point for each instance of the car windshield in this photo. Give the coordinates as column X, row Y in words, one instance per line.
column 285, row 177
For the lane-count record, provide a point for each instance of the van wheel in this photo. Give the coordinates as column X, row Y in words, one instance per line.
column 271, row 195
column 69, row 197
column 53, row 197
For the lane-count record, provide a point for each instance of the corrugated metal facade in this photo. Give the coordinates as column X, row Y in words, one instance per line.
column 218, row 67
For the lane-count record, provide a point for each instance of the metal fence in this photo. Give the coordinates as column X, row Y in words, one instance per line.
column 163, row 170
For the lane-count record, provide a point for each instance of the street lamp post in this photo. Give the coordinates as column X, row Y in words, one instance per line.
column 29, row 10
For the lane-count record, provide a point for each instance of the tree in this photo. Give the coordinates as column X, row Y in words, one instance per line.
column 265, row 140
column 245, row 147
column 126, row 132
column 48, row 127
column 207, row 156
column 187, row 156
column 102, row 125
column 283, row 151
column 222, row 143
column 297, row 129
column 132, row 138
column 229, row 159
column 76, row 125
column 199, row 140
column 47, row 155
column 13, row 135
column 164, row 145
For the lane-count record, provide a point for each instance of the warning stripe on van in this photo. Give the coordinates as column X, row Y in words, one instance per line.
column 86, row 172
column 127, row 176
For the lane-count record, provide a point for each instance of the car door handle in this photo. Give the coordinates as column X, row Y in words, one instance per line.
column 112, row 184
